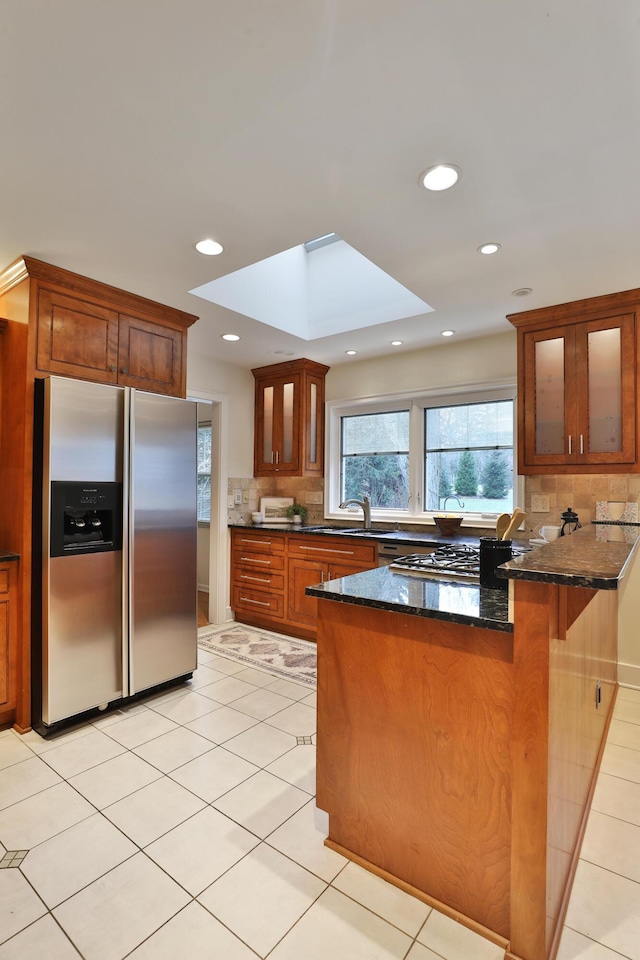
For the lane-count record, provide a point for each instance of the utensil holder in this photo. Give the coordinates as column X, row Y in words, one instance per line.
column 493, row 552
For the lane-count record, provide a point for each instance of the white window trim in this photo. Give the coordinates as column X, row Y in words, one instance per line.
column 415, row 402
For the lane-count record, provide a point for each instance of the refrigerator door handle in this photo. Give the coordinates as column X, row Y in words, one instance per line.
column 127, row 493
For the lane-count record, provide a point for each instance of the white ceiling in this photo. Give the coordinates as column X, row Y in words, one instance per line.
column 132, row 128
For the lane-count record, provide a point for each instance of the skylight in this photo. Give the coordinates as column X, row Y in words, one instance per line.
column 317, row 289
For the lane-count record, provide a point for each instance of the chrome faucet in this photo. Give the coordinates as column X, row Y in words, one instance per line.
column 452, row 497
column 365, row 503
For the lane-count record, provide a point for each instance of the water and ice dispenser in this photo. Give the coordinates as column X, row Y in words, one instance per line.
column 85, row 518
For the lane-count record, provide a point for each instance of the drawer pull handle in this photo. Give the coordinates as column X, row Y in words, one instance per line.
column 259, row 602
column 346, row 553
column 252, row 560
column 245, row 576
column 263, row 542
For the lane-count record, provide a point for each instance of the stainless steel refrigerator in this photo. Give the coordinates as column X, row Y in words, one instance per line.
column 116, row 611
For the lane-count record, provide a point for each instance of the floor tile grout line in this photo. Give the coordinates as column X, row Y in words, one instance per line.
column 265, row 841
column 613, row 816
column 614, row 873
column 599, row 943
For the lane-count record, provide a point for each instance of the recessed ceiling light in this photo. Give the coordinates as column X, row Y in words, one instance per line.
column 210, row 248
column 396, row 343
column 440, row 177
column 447, row 333
column 521, row 292
column 351, row 353
column 230, row 336
column 488, row 248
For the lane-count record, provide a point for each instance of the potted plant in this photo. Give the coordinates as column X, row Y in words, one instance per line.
column 297, row 512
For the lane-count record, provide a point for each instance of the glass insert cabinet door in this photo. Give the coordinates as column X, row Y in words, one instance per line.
column 277, row 413
column 579, row 397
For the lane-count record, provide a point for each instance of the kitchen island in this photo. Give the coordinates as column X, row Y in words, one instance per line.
column 460, row 730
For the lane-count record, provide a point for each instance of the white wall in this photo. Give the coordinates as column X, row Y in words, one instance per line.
column 471, row 361
column 628, row 620
column 207, row 375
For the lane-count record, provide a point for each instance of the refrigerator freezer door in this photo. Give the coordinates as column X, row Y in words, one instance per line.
column 83, row 430
column 79, row 640
column 82, row 665
column 163, row 540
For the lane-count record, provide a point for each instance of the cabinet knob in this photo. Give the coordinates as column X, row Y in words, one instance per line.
column 124, row 370
column 113, row 368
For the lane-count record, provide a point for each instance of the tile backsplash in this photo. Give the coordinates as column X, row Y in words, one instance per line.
column 309, row 492
column 577, row 491
column 580, row 492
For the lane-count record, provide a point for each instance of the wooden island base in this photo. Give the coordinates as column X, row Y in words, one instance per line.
column 459, row 762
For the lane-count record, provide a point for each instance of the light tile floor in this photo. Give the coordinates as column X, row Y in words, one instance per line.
column 185, row 826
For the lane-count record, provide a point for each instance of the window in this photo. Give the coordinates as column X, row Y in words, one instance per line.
column 410, row 455
column 469, row 457
column 204, row 472
column 375, row 458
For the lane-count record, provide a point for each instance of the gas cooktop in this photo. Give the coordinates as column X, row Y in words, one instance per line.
column 451, row 561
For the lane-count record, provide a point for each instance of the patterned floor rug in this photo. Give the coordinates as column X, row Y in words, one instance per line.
column 280, row 655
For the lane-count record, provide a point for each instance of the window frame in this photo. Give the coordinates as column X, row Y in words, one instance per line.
column 416, row 402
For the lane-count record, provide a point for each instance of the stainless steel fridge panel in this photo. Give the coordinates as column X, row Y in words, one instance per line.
column 163, row 535
column 85, row 430
column 82, row 659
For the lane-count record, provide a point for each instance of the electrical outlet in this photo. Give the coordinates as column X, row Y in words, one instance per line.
column 539, row 503
column 230, row 502
column 245, row 496
column 238, row 495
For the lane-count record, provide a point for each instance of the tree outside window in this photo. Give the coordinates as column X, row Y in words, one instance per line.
column 375, row 459
column 408, row 455
column 469, row 454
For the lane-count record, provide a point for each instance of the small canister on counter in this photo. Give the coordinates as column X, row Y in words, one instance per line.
column 493, row 552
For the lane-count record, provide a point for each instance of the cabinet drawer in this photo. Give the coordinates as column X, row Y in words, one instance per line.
column 249, row 560
column 258, row 580
column 259, row 604
column 333, row 549
column 5, row 580
column 257, row 542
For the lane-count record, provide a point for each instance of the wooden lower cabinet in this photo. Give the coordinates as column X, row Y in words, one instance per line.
column 459, row 762
column 8, row 642
column 271, row 571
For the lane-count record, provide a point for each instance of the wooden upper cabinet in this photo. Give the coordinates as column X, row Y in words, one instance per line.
column 577, row 386
column 150, row 357
column 289, row 419
column 92, row 331
column 76, row 338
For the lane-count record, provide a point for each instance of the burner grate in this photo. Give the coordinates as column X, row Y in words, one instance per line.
column 456, row 561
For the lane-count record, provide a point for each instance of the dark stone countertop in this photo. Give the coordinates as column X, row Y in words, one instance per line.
column 381, row 534
column 594, row 556
column 8, row 555
column 430, row 597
